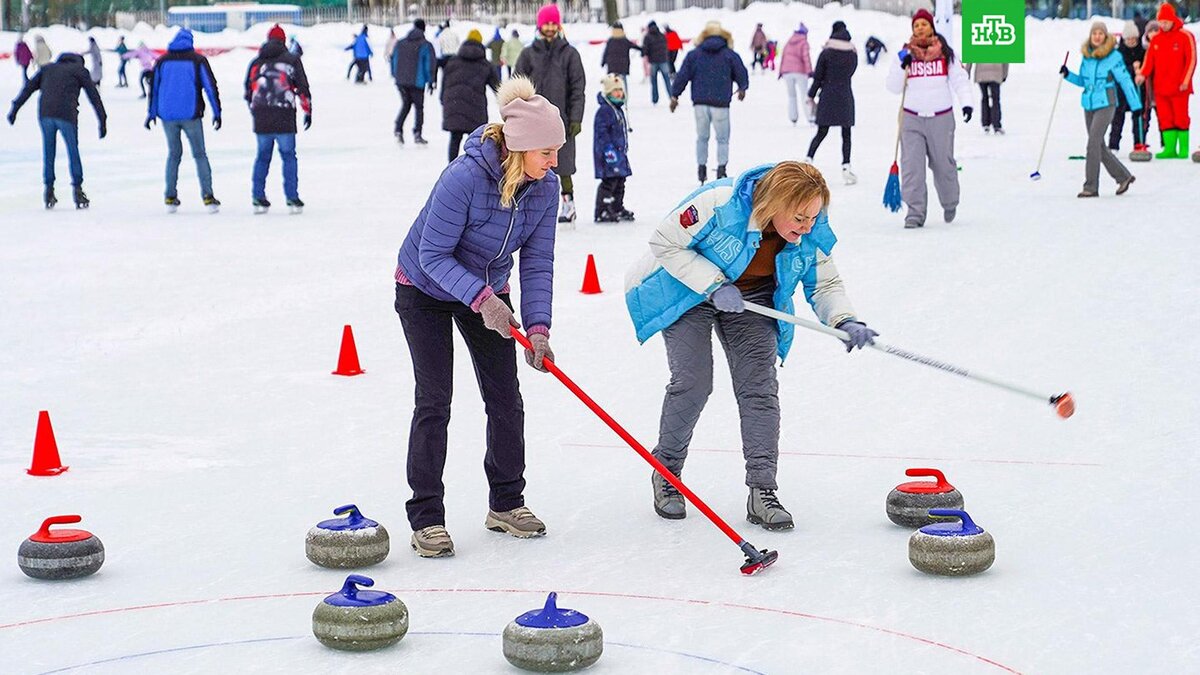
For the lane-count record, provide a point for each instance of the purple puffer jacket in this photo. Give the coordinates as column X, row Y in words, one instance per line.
column 464, row 240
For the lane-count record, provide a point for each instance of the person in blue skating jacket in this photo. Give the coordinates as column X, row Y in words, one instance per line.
column 181, row 80
column 362, row 57
column 414, row 68
column 1102, row 70
column 756, row 239
column 610, row 150
column 712, row 69
column 498, row 198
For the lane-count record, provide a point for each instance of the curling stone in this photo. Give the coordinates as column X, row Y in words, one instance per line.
column 553, row 640
column 1140, row 153
column 909, row 503
column 351, row 541
column 951, row 549
column 60, row 554
column 1196, row 156
column 357, row 621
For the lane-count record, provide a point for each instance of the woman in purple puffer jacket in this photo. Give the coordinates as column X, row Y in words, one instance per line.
column 498, row 197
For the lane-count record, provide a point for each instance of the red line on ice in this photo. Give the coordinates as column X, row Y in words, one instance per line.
column 851, row 456
column 603, row 594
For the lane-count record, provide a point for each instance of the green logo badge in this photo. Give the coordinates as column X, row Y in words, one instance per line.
column 993, row 31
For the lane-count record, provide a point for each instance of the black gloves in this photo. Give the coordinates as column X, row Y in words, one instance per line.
column 217, row 123
column 307, row 121
column 906, row 61
column 967, row 112
column 148, row 122
column 103, row 129
column 741, row 94
column 673, row 104
column 1063, row 71
column 12, row 116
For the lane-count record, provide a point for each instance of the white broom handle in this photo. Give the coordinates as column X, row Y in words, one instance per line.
column 896, row 351
column 1050, row 123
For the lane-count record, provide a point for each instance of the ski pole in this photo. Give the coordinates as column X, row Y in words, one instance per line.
column 1064, row 403
column 756, row 559
column 1037, row 172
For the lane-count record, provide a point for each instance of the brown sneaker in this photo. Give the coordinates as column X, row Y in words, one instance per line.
column 519, row 522
column 1123, row 187
column 1087, row 194
column 433, row 542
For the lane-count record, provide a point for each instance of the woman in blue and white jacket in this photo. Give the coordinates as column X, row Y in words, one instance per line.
column 1102, row 69
column 756, row 239
column 497, row 198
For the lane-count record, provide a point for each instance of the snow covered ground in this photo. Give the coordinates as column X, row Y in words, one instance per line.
column 185, row 362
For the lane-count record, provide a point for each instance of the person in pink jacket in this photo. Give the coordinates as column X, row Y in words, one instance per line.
column 146, row 57
column 795, row 65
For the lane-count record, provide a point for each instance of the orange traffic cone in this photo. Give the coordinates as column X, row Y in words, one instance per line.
column 348, row 357
column 591, row 281
column 45, row 451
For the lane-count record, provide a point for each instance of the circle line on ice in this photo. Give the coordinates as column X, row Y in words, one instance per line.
column 724, row 451
column 600, row 594
column 237, row 643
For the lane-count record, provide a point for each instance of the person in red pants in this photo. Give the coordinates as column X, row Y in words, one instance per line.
column 1171, row 62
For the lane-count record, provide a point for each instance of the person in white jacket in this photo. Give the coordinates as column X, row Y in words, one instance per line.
column 929, row 77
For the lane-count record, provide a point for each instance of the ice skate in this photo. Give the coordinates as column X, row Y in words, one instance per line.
column 261, row 205
column 172, row 204
column 49, row 199
column 81, row 199
column 566, row 211
column 212, row 204
column 848, row 176
column 295, row 206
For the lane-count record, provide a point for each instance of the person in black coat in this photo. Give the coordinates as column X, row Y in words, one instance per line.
column 465, row 82
column 616, row 54
column 414, row 68
column 654, row 46
column 1133, row 53
column 831, row 83
column 58, row 114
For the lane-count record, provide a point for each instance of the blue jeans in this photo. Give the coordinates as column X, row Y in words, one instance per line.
column 70, row 133
column 719, row 119
column 655, row 69
column 194, row 129
column 262, row 163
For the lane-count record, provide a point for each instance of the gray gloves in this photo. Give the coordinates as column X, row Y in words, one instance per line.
column 728, row 298
column 541, row 350
column 860, row 335
column 497, row 316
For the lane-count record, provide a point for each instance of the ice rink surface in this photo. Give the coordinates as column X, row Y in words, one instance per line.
column 185, row 360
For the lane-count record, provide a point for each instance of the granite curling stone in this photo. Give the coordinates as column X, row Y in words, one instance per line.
column 60, row 554
column 553, row 640
column 356, row 620
column 951, row 549
column 909, row 503
column 347, row 542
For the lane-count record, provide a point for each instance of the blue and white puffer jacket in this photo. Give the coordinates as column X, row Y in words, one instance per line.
column 708, row 240
column 1102, row 69
column 463, row 239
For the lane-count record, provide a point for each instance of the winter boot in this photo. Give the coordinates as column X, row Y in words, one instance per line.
column 48, row 197
column 519, row 522
column 566, row 211
column 172, row 204
column 81, row 199
column 400, row 136
column 212, row 203
column 295, row 206
column 433, row 542
column 999, row 131
column 606, row 217
column 625, row 216
column 720, row 172
column 261, row 204
column 419, row 139
column 763, row 508
column 1182, row 150
column 1170, row 140
column 668, row 503
column 1087, row 194
column 848, row 176
column 702, row 173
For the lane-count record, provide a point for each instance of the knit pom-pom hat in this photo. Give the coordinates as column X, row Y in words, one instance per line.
column 276, row 33
column 530, row 121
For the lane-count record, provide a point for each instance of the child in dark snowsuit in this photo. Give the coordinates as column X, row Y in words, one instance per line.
column 1133, row 53
column 610, row 151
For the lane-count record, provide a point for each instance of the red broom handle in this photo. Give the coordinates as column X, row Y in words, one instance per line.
column 633, row 443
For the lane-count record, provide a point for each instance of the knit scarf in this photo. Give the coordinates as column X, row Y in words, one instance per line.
column 926, row 49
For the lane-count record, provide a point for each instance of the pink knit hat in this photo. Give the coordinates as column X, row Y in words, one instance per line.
column 549, row 14
column 530, row 121
column 923, row 14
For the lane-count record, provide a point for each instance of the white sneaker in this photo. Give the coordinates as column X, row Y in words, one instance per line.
column 848, row 176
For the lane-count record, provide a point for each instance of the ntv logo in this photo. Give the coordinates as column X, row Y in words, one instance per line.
column 993, row 31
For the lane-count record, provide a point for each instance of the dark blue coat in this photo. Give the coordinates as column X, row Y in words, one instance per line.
column 463, row 239
column 712, row 68
column 413, row 64
column 179, row 77
column 610, row 141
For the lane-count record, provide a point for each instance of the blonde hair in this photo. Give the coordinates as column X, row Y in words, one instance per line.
column 512, row 165
column 785, row 187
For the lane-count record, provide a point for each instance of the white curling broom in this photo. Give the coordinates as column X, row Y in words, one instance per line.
column 1037, row 172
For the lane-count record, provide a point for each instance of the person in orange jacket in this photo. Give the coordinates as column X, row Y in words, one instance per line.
column 1171, row 61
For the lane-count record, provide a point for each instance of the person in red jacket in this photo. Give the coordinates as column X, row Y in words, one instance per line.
column 674, row 46
column 1171, row 62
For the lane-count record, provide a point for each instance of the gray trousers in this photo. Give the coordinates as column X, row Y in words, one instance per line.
column 750, row 343
column 718, row 118
column 1097, row 148
column 929, row 138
